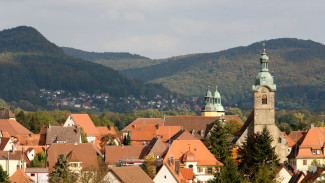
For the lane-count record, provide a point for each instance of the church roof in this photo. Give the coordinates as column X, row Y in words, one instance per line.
column 264, row 78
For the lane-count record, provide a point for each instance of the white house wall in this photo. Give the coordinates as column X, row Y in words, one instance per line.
column 164, row 176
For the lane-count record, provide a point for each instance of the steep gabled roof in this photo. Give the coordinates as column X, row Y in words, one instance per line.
column 86, row 123
column 191, row 122
column 85, row 152
column 115, row 153
column 297, row 135
column 20, row 177
column 13, row 127
column 147, row 132
column 31, row 140
column 201, row 152
column 157, row 147
column 187, row 173
column 314, row 138
column 144, row 121
column 143, row 132
column 131, row 174
column 69, row 134
column 313, row 176
column 4, row 141
column 103, row 130
column 291, row 142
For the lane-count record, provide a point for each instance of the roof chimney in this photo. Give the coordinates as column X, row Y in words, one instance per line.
column 109, row 127
column 312, row 126
column 157, row 126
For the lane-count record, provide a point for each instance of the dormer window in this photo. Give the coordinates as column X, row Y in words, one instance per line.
column 202, row 133
column 316, row 151
column 264, row 99
column 193, row 133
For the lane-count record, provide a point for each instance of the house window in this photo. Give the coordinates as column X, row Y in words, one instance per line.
column 314, row 151
column 279, row 140
column 123, row 157
column 318, row 151
column 264, row 99
column 131, row 157
column 202, row 133
column 193, row 132
column 305, row 162
column 190, row 166
column 32, row 174
column 198, row 169
column 209, row 170
column 74, row 164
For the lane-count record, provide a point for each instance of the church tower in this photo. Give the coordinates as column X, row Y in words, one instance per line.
column 208, row 109
column 264, row 90
column 263, row 114
column 217, row 103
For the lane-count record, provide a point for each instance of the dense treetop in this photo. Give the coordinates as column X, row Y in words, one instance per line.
column 29, row 62
column 297, row 66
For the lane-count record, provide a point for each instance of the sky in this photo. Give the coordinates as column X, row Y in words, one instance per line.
column 165, row 28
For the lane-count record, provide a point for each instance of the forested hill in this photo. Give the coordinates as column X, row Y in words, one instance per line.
column 91, row 56
column 298, row 68
column 28, row 62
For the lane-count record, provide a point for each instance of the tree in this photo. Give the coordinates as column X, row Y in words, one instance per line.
column 61, row 172
column 127, row 139
column 4, row 177
column 218, row 144
column 150, row 168
column 83, row 136
column 228, row 173
column 255, row 151
column 39, row 160
column 107, row 139
column 264, row 174
column 238, row 112
column 232, row 126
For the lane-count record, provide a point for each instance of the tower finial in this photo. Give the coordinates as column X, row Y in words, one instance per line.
column 263, row 44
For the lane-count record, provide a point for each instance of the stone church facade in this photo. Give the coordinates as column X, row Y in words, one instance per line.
column 263, row 114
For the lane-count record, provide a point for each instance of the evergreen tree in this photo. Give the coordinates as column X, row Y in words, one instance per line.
column 61, row 172
column 218, row 144
column 83, row 136
column 228, row 173
column 4, row 176
column 127, row 139
column 255, row 151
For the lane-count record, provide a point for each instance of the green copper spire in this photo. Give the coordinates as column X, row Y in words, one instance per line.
column 208, row 103
column 264, row 78
column 217, row 101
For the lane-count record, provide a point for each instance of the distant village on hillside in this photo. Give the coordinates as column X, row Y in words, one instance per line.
column 83, row 100
column 173, row 149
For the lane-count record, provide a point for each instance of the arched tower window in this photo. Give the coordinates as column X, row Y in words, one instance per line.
column 264, row 99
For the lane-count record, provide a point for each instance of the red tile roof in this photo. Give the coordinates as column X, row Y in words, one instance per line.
column 13, row 127
column 144, row 121
column 201, row 152
column 85, row 152
column 31, row 140
column 291, row 142
column 297, row 135
column 313, row 176
column 20, row 177
column 103, row 130
column 4, row 141
column 115, row 153
column 86, row 123
column 315, row 138
column 187, row 173
column 147, row 132
column 131, row 174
